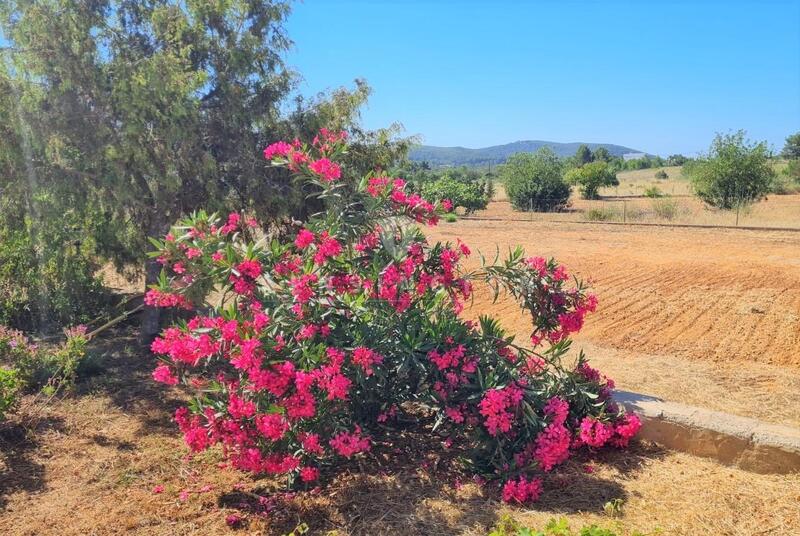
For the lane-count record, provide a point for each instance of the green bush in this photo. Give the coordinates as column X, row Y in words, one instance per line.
column 37, row 366
column 735, row 173
column 591, row 177
column 450, row 218
column 653, row 192
column 470, row 196
column 534, row 181
column 661, row 174
column 48, row 262
column 9, row 391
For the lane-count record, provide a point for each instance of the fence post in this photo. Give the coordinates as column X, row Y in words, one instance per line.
column 738, row 205
column 531, row 208
column 624, row 211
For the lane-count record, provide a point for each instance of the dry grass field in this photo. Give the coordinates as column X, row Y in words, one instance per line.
column 703, row 316
column 677, row 205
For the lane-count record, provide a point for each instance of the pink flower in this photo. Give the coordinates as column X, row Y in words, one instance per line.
column 522, row 491
column 327, row 170
column 347, row 444
column 158, row 489
column 164, row 374
column 309, row 474
column 280, row 148
column 304, row 239
column 365, row 358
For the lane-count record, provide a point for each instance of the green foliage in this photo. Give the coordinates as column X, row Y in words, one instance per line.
column 792, row 148
column 591, row 177
column 583, row 156
column 36, row 366
column 534, row 181
column 601, row 154
column 9, row 391
column 645, row 162
column 470, row 196
column 676, row 160
column 653, row 192
column 450, row 218
column 140, row 109
column 666, row 208
column 507, row 526
column 736, row 172
column 661, row 174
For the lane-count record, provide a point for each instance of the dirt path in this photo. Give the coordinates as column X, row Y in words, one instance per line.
column 709, row 317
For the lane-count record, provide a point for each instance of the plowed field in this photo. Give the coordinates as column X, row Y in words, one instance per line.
column 707, row 316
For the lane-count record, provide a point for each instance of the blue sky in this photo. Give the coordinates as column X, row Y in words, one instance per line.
column 662, row 77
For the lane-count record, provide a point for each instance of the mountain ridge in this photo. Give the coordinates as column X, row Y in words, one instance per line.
column 497, row 154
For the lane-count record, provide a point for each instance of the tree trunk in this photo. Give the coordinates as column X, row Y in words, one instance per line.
column 151, row 316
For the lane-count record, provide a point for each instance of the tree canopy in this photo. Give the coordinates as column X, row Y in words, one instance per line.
column 534, row 181
column 735, row 172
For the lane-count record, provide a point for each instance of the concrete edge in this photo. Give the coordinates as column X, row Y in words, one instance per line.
column 743, row 442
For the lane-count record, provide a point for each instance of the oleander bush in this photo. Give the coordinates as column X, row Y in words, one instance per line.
column 314, row 343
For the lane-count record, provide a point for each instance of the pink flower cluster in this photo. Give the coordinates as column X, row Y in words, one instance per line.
column 334, row 330
column 522, row 490
column 498, row 407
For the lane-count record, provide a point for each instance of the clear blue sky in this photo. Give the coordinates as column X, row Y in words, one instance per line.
column 662, row 77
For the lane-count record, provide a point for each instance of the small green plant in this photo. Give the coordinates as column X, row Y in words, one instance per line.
column 614, row 507
column 661, row 174
column 507, row 526
column 9, row 391
column 665, row 208
column 602, row 214
column 41, row 367
column 450, row 218
column 653, row 192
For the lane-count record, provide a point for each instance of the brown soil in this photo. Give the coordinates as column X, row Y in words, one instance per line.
column 96, row 456
column 703, row 316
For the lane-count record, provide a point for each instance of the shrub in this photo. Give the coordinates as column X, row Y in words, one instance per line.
column 653, row 192
column 534, row 181
column 450, row 217
column 661, row 174
column 591, row 177
column 36, row 366
column 47, row 274
column 470, row 196
column 323, row 339
column 735, row 172
column 602, row 214
column 9, row 390
column 666, row 209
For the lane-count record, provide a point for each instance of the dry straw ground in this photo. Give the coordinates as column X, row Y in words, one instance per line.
column 707, row 317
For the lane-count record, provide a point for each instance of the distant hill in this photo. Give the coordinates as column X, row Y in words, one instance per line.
column 497, row 154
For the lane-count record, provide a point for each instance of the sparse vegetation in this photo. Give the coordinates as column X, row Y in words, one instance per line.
column 665, row 208
column 653, row 192
column 661, row 174
column 602, row 214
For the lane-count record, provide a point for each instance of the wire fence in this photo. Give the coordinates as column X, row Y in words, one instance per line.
column 777, row 212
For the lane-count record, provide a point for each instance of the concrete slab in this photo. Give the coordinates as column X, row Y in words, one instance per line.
column 733, row 440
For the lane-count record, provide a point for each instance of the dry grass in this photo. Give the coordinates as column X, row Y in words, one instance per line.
column 95, row 458
column 628, row 201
